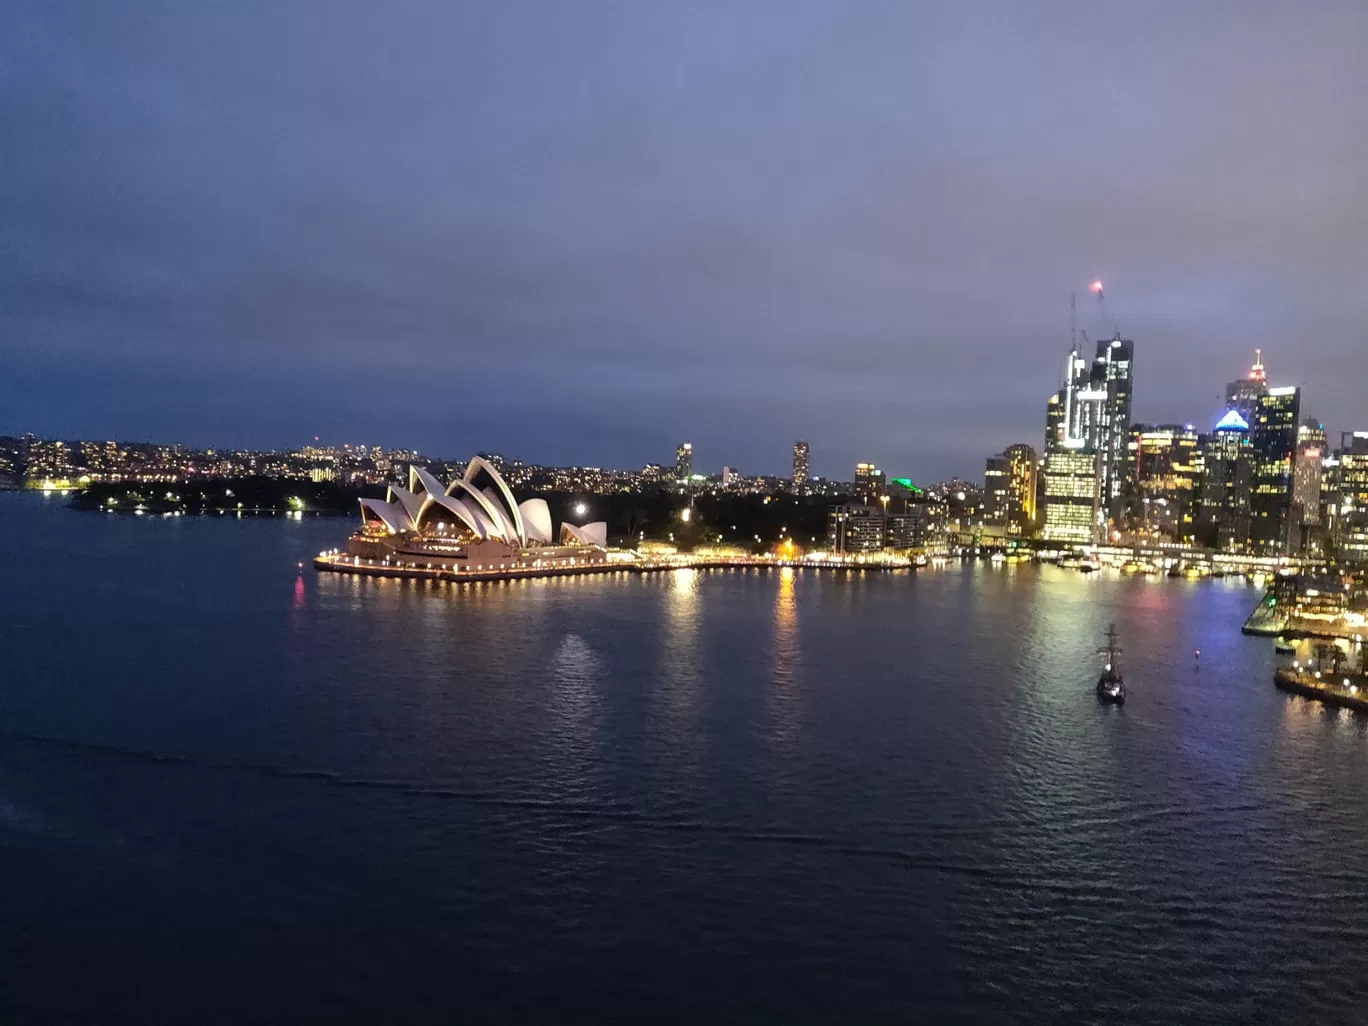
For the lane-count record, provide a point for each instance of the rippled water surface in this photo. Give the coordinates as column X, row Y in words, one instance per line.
column 231, row 792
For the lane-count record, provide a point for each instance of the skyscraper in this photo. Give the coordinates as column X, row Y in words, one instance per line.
column 1055, row 419
column 1243, row 394
column 684, row 461
column 1073, row 495
column 802, row 466
column 1009, row 488
column 1113, row 376
column 1274, row 438
column 1350, row 498
column 1223, row 520
column 1306, row 472
column 1092, row 412
column 1167, row 467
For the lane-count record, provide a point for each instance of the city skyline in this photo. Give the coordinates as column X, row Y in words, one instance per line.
column 782, row 467
column 851, row 225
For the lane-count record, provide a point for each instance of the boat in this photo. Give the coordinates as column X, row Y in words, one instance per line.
column 1111, row 687
column 1283, row 645
column 1089, row 568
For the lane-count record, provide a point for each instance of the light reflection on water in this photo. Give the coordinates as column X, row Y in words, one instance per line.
column 815, row 797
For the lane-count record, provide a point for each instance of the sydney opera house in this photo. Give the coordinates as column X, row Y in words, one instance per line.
column 472, row 523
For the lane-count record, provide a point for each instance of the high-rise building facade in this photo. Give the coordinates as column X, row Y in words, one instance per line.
column 1113, row 375
column 1073, row 496
column 1228, row 456
column 684, row 461
column 997, row 476
column 1055, row 422
column 1350, row 498
column 1092, row 413
column 855, row 528
column 1243, row 394
column 1307, row 473
column 802, row 466
column 920, row 525
column 1274, row 438
column 1167, row 469
column 1009, row 488
column 869, row 483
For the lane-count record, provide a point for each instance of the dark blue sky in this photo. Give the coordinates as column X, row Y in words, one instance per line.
column 580, row 232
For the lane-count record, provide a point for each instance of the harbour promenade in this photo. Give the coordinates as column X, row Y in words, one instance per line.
column 1336, row 689
column 342, row 563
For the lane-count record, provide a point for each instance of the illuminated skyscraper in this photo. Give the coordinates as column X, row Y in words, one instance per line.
column 1092, row 412
column 1009, row 488
column 1223, row 518
column 684, row 461
column 1306, row 473
column 1055, row 419
column 1350, row 498
column 1113, row 377
column 869, row 482
column 1243, row 394
column 1274, row 437
column 1167, row 466
column 802, row 466
column 1073, row 496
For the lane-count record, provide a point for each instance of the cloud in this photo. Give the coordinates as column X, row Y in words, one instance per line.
column 855, row 224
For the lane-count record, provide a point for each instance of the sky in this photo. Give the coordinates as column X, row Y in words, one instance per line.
column 583, row 232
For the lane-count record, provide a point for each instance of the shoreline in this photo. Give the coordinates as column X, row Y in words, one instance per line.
column 368, row 568
column 1321, row 690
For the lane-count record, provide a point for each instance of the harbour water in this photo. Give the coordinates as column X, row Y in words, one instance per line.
column 234, row 792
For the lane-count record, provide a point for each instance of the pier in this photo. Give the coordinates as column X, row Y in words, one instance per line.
column 342, row 563
column 1337, row 691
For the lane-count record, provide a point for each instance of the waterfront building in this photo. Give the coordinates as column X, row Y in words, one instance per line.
column 684, row 462
column 1055, row 422
column 50, row 461
column 1073, row 496
column 1350, row 498
column 1307, row 472
column 855, row 527
column 1228, row 458
column 1092, row 413
column 472, row 523
column 997, row 476
column 1274, row 439
column 802, row 466
column 1243, row 394
column 920, row 526
column 869, row 482
column 1009, row 489
column 11, row 460
column 1167, row 470
column 1113, row 378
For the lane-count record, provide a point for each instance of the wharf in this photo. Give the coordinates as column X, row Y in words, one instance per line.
column 1308, row 685
column 341, row 564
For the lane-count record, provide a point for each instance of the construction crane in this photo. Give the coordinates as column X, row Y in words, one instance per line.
column 1108, row 325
